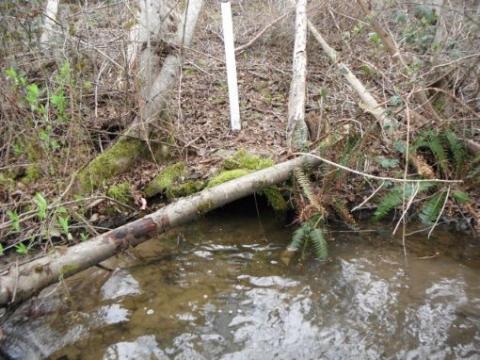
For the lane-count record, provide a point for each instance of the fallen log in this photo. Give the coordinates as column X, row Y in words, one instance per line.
column 19, row 282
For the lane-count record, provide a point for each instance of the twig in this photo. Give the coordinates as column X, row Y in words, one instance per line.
column 14, row 165
column 405, row 209
column 454, row 61
column 405, row 173
column 368, row 198
column 370, row 176
column 439, row 214
column 243, row 47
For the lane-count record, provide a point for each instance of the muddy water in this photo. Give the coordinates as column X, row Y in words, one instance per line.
column 217, row 290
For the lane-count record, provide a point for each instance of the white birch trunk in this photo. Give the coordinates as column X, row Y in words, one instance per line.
column 49, row 20
column 297, row 132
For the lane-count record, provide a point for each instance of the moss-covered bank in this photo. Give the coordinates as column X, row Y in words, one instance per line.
column 114, row 161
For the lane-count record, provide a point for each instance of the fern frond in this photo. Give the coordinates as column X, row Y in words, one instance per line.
column 431, row 208
column 457, row 149
column 435, row 145
column 390, row 201
column 319, row 244
column 433, row 142
column 461, row 197
column 298, row 238
column 394, row 198
column 349, row 152
column 304, row 183
column 343, row 212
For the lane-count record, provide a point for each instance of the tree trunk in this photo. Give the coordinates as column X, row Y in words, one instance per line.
column 49, row 20
column 297, row 131
column 131, row 146
column 155, row 21
column 441, row 33
column 20, row 282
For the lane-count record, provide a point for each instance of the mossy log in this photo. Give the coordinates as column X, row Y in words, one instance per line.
column 165, row 180
column 18, row 282
column 114, row 161
column 172, row 182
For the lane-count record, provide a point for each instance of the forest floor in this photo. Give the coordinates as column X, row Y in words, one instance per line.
column 198, row 129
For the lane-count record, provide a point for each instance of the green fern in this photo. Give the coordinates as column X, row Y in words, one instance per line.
column 394, row 198
column 349, row 152
column 390, row 201
column 434, row 143
column 298, row 238
column 319, row 244
column 431, row 208
column 457, row 149
column 461, row 197
column 305, row 235
column 304, row 183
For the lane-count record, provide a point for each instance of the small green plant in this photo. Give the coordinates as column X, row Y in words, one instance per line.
column 375, row 38
column 18, row 149
column 48, row 141
column 387, row 163
column 17, row 79
column 58, row 99
column 1, row 250
column 32, row 96
column 63, row 221
column 21, row 249
column 42, row 206
column 15, row 220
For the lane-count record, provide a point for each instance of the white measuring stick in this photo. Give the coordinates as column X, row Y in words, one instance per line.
column 231, row 66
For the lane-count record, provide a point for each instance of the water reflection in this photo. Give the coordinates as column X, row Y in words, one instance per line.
column 223, row 295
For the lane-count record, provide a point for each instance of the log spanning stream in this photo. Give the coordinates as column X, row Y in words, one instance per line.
column 215, row 289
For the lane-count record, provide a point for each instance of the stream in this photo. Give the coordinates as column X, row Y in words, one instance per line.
column 216, row 289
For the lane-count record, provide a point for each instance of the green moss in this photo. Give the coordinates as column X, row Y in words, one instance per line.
column 243, row 163
column 204, row 208
column 119, row 158
column 185, row 189
column 244, row 160
column 439, row 104
column 33, row 172
column 274, row 198
column 121, row 192
column 163, row 182
column 227, row 175
column 68, row 269
column 6, row 182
